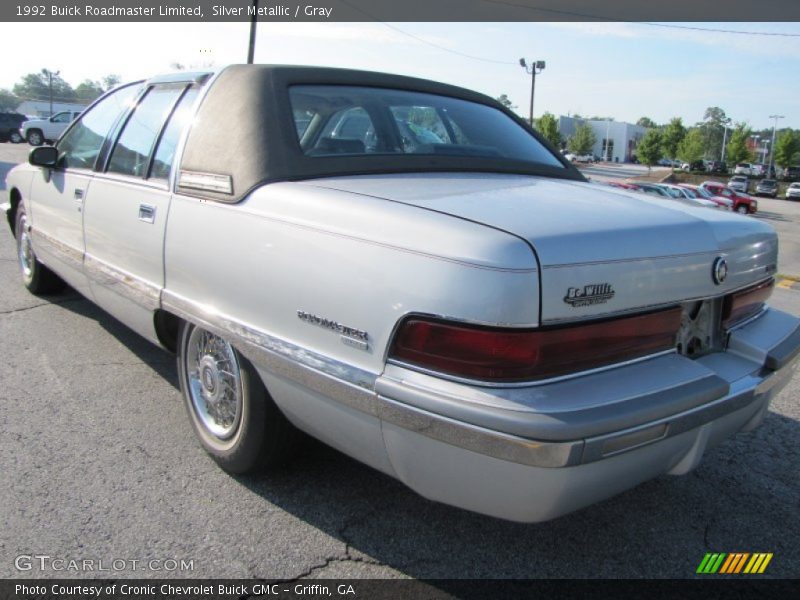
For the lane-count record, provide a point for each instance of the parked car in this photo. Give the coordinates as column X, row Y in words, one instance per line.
column 653, row 189
column 688, row 195
column 469, row 316
column 767, row 187
column 720, row 201
column 40, row 131
column 9, row 127
column 579, row 158
column 793, row 191
column 697, row 165
column 716, row 166
column 740, row 183
column 743, row 169
column 791, row 173
column 742, row 203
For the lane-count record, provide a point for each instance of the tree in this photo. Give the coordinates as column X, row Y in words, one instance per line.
column 88, row 91
column 737, row 150
column 109, row 81
column 649, row 149
column 646, row 122
column 36, row 86
column 692, row 146
column 672, row 136
column 583, row 140
column 787, row 148
column 547, row 125
column 714, row 123
column 8, row 101
column 504, row 100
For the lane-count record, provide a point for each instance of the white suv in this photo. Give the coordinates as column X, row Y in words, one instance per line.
column 39, row 131
column 744, row 169
column 738, row 183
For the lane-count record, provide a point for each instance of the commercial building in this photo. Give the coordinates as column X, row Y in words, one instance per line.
column 622, row 137
column 41, row 108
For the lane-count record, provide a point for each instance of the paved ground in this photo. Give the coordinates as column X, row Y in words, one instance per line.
column 97, row 461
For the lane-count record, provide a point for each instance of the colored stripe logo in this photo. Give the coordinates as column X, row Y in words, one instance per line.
column 734, row 563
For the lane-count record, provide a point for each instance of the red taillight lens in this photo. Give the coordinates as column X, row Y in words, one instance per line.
column 746, row 303
column 497, row 354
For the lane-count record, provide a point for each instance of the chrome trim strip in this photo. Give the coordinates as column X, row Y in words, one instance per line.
column 344, row 383
column 527, row 384
column 61, row 251
column 477, row 439
column 132, row 287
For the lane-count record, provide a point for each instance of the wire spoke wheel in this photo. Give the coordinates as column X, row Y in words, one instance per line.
column 214, row 382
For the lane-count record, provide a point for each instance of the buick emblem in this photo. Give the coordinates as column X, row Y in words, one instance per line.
column 719, row 271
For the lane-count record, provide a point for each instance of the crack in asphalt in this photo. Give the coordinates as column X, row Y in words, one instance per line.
column 54, row 303
column 329, row 560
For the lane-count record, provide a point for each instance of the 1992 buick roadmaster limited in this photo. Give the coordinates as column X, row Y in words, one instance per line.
column 406, row 271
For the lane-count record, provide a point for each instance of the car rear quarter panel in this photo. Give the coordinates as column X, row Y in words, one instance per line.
column 360, row 261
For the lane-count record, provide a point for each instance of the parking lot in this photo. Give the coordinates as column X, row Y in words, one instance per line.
column 98, row 461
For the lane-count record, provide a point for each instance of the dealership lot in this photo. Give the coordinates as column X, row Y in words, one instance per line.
column 99, row 463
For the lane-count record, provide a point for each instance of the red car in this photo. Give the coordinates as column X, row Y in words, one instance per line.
column 742, row 203
column 720, row 201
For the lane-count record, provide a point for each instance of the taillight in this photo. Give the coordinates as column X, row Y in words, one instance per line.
column 742, row 305
column 504, row 355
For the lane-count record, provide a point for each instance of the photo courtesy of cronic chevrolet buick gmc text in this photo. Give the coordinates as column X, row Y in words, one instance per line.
column 408, row 272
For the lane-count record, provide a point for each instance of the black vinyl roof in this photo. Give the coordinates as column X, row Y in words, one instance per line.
column 244, row 129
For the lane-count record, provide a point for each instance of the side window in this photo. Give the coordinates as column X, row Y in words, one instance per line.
column 131, row 153
column 81, row 145
column 63, row 117
column 165, row 152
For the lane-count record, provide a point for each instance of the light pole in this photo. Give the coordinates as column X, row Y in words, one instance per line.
column 50, row 76
column 533, row 70
column 772, row 145
column 251, row 48
column 725, row 124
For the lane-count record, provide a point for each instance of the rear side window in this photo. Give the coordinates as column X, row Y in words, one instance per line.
column 131, row 153
column 81, row 144
column 165, row 152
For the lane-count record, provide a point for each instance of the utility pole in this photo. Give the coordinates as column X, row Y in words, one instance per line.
column 251, row 49
column 772, row 145
column 606, row 154
column 533, row 70
column 724, row 139
column 50, row 76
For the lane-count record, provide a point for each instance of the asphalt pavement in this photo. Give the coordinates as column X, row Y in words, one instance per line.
column 98, row 462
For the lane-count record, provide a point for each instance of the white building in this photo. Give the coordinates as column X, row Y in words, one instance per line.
column 622, row 137
column 41, row 108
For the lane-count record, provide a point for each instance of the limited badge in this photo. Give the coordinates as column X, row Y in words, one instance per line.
column 596, row 293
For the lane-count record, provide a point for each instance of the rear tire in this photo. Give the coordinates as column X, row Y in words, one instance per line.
column 14, row 137
column 231, row 412
column 35, row 276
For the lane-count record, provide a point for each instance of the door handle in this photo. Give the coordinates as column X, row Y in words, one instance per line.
column 78, row 195
column 147, row 213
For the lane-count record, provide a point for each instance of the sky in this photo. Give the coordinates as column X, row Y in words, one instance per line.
column 621, row 70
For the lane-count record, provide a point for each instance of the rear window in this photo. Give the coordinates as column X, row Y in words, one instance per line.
column 360, row 121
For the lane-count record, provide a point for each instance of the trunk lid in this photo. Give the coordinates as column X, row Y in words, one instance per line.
column 601, row 250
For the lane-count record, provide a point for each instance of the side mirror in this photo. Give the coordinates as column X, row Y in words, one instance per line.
column 44, row 156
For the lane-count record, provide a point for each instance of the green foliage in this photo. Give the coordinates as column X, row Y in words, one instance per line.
column 36, row 86
column 787, row 148
column 672, row 136
column 714, row 122
column 88, row 91
column 8, row 101
column 692, row 146
column 504, row 100
column 646, row 122
column 547, row 125
column 737, row 150
column 583, row 141
column 649, row 151
column 110, row 80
